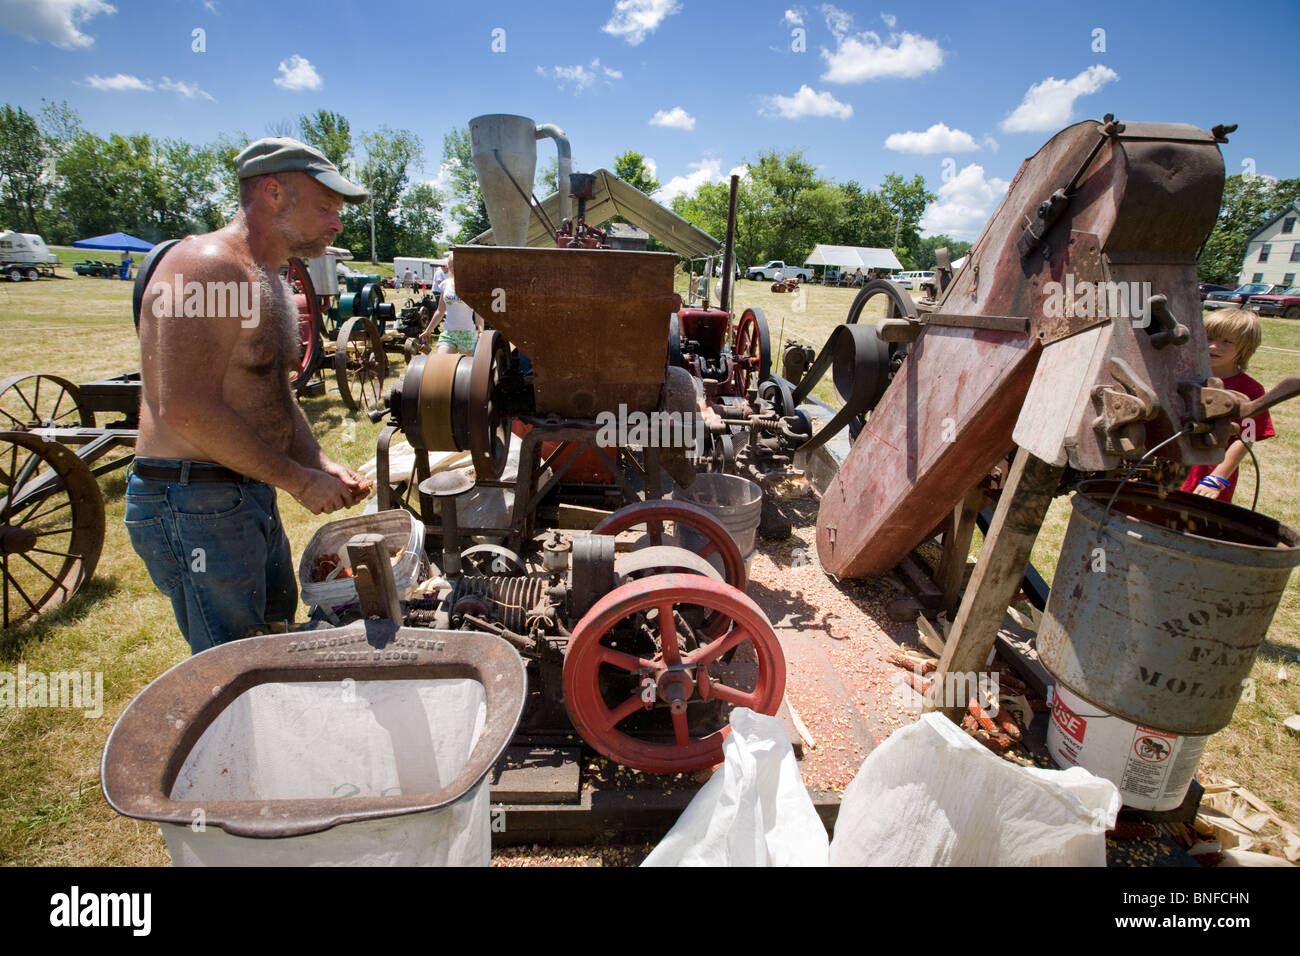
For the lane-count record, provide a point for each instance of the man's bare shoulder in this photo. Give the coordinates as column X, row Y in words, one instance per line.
column 219, row 256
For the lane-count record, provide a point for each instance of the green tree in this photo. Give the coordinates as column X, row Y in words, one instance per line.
column 23, row 154
column 631, row 167
column 865, row 219
column 60, row 125
column 111, row 184
column 330, row 133
column 706, row 209
column 907, row 199
column 468, row 206
column 925, row 251
column 391, row 157
column 1248, row 203
column 798, row 204
column 419, row 220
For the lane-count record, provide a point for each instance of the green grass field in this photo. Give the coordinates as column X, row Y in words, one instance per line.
column 51, row 809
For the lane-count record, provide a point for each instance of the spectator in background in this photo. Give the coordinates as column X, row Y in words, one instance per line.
column 1234, row 335
column 408, row 278
column 439, row 276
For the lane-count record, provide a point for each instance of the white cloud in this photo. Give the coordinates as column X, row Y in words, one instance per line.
column 795, row 16
column 965, row 203
column 937, row 139
column 990, row 142
column 634, row 20
column 1049, row 105
column 675, row 118
column 807, row 102
column 705, row 171
column 120, row 82
column 742, row 171
column 580, row 76
column 55, row 21
column 297, row 73
column 187, row 90
column 651, row 167
column 867, row 57
column 837, row 20
column 211, row 7
column 889, row 19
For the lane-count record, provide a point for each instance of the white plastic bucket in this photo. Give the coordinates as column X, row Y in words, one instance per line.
column 1151, row 768
column 400, row 528
column 332, row 741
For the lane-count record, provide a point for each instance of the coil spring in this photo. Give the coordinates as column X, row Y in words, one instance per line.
column 513, row 600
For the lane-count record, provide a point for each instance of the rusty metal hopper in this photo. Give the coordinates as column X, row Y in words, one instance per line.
column 594, row 322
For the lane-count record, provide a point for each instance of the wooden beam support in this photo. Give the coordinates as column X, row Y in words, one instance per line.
column 1001, row 566
column 956, row 548
column 372, row 572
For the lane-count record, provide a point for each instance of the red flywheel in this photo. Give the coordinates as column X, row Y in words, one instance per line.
column 649, row 689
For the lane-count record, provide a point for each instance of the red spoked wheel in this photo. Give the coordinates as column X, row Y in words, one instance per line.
column 647, row 689
column 309, row 324
column 752, row 351
column 653, row 515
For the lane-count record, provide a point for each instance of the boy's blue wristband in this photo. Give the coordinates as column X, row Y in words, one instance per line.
column 1214, row 481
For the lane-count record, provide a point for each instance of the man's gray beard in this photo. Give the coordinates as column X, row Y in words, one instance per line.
column 299, row 243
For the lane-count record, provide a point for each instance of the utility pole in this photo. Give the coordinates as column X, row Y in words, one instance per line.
column 371, row 189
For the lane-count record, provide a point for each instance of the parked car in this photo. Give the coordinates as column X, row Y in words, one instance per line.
column 767, row 272
column 1238, row 296
column 1205, row 288
column 913, row 279
column 93, row 267
column 1285, row 303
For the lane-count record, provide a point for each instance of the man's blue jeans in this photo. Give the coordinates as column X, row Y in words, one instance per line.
column 217, row 550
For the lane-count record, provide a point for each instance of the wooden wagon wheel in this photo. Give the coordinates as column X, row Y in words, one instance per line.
column 360, row 364
column 51, row 525
column 42, row 401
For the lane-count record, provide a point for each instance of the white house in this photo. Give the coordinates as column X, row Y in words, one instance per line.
column 1273, row 250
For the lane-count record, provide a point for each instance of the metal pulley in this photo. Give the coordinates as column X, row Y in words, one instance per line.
column 451, row 402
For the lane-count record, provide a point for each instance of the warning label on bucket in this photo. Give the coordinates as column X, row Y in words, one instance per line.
column 1068, row 720
column 1147, row 767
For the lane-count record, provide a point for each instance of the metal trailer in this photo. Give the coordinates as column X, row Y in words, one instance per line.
column 52, row 449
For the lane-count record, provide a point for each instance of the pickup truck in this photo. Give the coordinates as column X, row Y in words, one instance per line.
column 767, row 272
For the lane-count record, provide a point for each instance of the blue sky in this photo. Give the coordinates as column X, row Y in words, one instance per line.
column 699, row 87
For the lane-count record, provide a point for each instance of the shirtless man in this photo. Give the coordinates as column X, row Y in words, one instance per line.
column 219, row 427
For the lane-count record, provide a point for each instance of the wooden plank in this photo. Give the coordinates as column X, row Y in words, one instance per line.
column 930, row 636
column 578, row 518
column 918, row 579
column 951, row 574
column 1001, row 566
column 792, row 730
column 537, row 775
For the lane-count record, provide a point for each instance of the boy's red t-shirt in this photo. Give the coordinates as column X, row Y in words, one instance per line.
column 1241, row 382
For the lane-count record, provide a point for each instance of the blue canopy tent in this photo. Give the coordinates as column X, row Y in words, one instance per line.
column 119, row 241
column 114, row 240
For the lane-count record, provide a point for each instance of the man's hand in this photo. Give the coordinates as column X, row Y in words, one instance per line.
column 322, row 493
column 358, row 487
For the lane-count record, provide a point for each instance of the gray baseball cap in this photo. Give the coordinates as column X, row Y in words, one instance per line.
column 279, row 154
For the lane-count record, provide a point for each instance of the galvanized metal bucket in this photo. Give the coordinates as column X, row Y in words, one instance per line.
column 1160, row 603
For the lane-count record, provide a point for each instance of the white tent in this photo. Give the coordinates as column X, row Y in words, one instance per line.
column 853, row 257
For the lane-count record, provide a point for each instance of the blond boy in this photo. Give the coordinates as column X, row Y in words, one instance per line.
column 1234, row 335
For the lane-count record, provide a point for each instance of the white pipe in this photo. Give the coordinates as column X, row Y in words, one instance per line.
column 565, row 163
